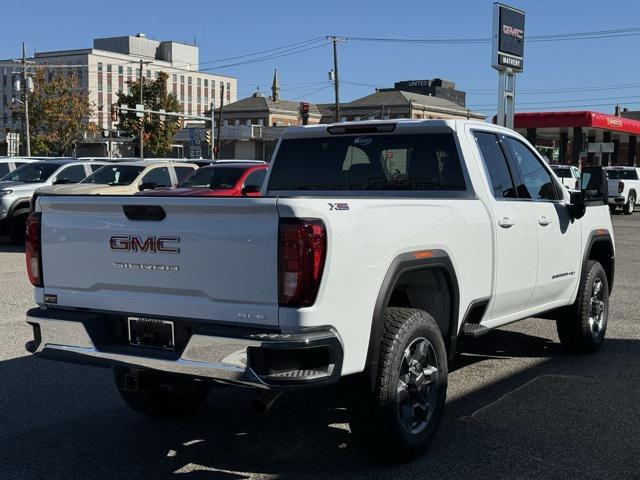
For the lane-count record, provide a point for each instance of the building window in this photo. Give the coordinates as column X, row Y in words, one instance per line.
column 206, row 82
column 157, row 74
column 99, row 83
column 189, row 98
column 175, row 78
column 199, row 82
column 148, row 73
column 108, row 68
column 228, row 92
column 189, row 80
column 129, row 71
column 108, row 87
column 99, row 66
column 137, row 73
column 182, row 79
column 120, row 69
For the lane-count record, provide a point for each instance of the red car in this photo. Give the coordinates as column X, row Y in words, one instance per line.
column 222, row 179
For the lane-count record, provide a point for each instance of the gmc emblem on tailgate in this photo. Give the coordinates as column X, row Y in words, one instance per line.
column 152, row 244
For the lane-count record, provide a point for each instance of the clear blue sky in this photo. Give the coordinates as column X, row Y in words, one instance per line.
column 230, row 28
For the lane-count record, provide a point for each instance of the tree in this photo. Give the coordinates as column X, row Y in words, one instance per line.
column 158, row 134
column 59, row 113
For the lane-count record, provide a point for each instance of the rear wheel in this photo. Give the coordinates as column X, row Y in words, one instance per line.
column 630, row 206
column 401, row 417
column 159, row 395
column 582, row 327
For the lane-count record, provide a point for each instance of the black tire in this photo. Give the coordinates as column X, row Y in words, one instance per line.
column 630, row 206
column 582, row 327
column 385, row 421
column 613, row 209
column 17, row 229
column 158, row 395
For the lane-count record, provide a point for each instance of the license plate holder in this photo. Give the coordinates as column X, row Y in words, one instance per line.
column 151, row 333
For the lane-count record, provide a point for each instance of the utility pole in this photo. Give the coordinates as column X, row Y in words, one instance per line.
column 213, row 131
column 25, row 88
column 142, row 121
column 219, row 139
column 336, row 82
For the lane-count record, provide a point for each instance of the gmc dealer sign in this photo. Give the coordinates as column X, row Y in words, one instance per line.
column 508, row 37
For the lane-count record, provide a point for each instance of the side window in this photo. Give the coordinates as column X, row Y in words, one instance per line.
column 4, row 169
column 496, row 165
column 537, row 182
column 255, row 178
column 183, row 172
column 354, row 156
column 72, row 174
column 95, row 167
column 158, row 176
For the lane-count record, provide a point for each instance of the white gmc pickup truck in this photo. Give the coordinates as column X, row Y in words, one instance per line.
column 376, row 246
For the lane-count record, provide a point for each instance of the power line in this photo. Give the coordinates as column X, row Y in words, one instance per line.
column 297, row 44
column 613, row 33
column 313, row 91
column 262, row 59
column 555, row 102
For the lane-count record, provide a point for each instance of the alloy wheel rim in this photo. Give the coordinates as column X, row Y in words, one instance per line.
column 417, row 385
column 597, row 310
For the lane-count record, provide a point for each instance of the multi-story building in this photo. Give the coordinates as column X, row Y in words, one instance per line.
column 112, row 63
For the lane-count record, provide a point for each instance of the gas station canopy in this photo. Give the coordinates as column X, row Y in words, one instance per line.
column 584, row 137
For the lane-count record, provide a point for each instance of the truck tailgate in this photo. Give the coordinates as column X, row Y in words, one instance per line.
column 208, row 258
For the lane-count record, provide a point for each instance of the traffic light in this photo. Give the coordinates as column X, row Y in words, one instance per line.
column 114, row 112
column 207, row 136
column 180, row 123
column 161, row 121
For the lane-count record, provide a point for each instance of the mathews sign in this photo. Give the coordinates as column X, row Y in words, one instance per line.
column 508, row 37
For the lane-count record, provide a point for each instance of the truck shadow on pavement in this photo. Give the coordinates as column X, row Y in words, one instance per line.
column 564, row 417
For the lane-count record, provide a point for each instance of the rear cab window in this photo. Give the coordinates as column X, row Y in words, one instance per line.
column 622, row 174
column 399, row 162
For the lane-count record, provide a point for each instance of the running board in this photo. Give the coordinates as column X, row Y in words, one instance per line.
column 474, row 330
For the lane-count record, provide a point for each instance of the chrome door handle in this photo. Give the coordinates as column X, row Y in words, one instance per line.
column 544, row 221
column 505, row 222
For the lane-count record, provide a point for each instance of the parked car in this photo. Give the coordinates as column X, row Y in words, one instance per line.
column 229, row 179
column 18, row 186
column 377, row 246
column 569, row 176
column 624, row 187
column 126, row 178
column 9, row 164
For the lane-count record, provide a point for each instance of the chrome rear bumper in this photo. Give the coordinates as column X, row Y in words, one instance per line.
column 62, row 335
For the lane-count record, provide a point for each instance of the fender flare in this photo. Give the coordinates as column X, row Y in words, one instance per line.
column 599, row 236
column 406, row 262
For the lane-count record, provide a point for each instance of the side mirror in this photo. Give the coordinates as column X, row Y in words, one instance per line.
column 594, row 186
column 147, row 186
column 250, row 189
column 576, row 207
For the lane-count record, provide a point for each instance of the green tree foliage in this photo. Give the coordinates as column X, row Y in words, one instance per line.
column 158, row 134
column 59, row 113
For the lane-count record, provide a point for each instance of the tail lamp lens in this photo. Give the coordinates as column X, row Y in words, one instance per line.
column 620, row 187
column 32, row 246
column 302, row 250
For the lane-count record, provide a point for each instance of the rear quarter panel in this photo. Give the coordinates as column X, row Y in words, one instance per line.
column 365, row 239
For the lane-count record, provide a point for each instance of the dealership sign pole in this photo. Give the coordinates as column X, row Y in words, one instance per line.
column 506, row 57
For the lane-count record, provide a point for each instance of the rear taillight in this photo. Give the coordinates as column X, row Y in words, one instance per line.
column 32, row 247
column 577, row 187
column 302, row 248
column 620, row 187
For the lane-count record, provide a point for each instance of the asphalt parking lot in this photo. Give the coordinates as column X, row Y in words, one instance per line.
column 518, row 407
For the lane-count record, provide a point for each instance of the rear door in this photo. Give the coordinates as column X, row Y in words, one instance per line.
column 559, row 252
column 211, row 259
column 516, row 241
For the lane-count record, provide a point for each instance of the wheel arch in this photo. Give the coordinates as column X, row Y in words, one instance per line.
column 20, row 207
column 599, row 247
column 437, row 266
